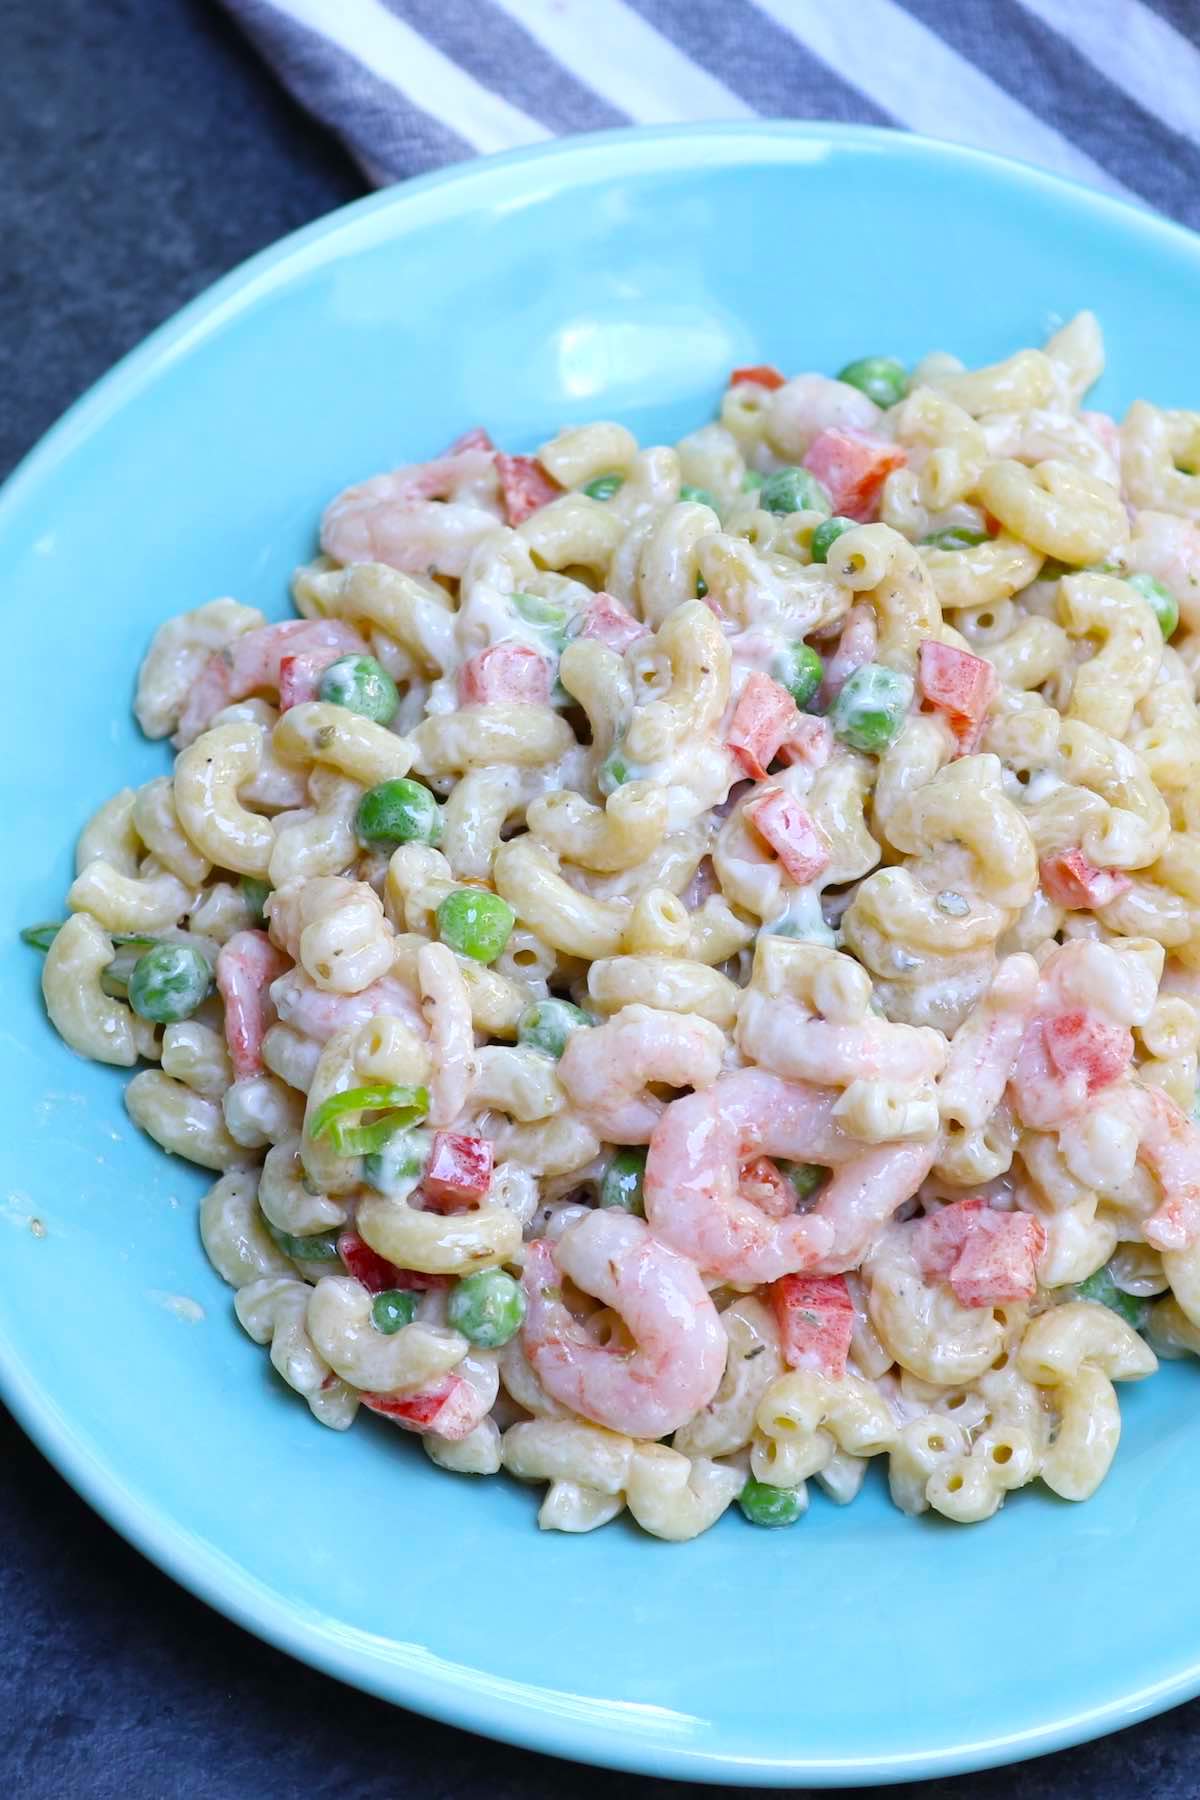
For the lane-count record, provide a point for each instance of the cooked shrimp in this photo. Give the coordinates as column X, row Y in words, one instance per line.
column 1169, row 1143
column 1168, row 547
column 403, row 519
column 693, row 1171
column 607, row 1071
column 678, row 1358
column 318, row 1014
column 1078, row 1039
column 856, row 646
column 447, row 1008
column 254, row 662
column 808, row 405
column 246, row 966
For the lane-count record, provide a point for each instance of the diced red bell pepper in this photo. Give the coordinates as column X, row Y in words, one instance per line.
column 505, row 672
column 815, row 1315
column 449, row 1408
column 810, row 742
column 960, row 685
column 459, row 1171
column 762, row 374
column 377, row 1274
column 525, row 486
column 764, row 717
column 760, row 1182
column 1083, row 1043
column 1073, row 881
column 612, row 623
column 791, row 833
column 247, row 964
column 853, row 466
column 988, row 1257
column 475, row 439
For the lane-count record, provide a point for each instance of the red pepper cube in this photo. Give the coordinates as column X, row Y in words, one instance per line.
column 377, row 1274
column 1082, row 1043
column 525, row 486
column 960, row 685
column 503, row 672
column 815, row 1315
column 612, row 623
column 1071, row 880
column 459, row 1171
column 791, row 833
column 852, row 466
column 760, row 1182
column 763, row 719
column 449, row 1408
column 761, row 374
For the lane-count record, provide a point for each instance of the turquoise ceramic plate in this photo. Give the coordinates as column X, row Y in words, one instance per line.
column 617, row 276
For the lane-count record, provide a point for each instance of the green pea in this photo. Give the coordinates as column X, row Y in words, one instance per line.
column 1162, row 601
column 361, row 685
column 622, row 1183
column 320, row 1247
column 487, row 1307
column 700, row 495
column 603, row 487
column 397, row 1166
column 537, row 611
column 1101, row 1287
column 805, row 1178
column 955, row 537
column 751, row 480
column 881, row 378
column 169, row 983
column 393, row 1309
column 794, row 490
column 827, row 534
column 475, row 923
column 799, row 669
column 763, row 1504
column 871, row 707
column 547, row 1024
column 615, row 771
column 398, row 812
column 701, row 587
column 255, row 893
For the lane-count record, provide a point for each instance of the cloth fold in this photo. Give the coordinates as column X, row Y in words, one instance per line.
column 1104, row 91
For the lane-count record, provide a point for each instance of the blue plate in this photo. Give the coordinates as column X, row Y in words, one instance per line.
column 622, row 276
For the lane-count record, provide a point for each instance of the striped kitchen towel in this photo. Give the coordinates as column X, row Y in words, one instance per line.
column 1106, row 91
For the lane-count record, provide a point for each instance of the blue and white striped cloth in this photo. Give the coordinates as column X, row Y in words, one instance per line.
column 1106, row 91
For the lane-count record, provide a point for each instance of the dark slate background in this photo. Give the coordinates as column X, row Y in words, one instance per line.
column 143, row 152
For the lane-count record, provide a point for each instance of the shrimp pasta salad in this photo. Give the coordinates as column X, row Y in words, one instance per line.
column 684, row 962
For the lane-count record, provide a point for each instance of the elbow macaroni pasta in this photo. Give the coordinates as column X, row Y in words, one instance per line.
column 720, row 1004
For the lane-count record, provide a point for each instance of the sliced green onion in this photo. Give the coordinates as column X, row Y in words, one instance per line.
column 955, row 537
column 603, row 487
column 40, row 937
column 402, row 1106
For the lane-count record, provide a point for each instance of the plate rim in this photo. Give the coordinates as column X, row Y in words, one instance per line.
column 199, row 1566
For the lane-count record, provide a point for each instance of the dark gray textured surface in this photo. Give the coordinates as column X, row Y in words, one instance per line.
column 142, row 153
